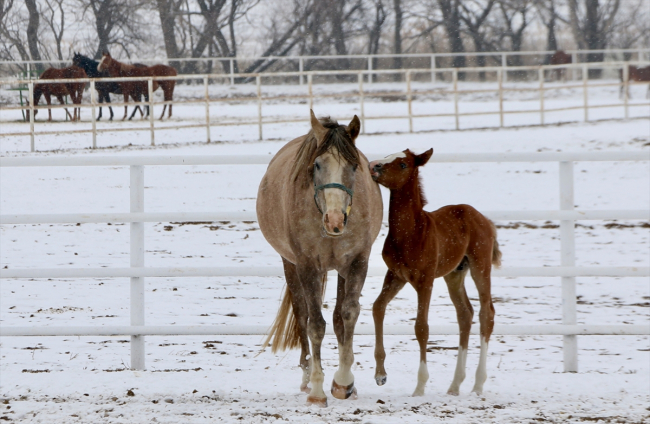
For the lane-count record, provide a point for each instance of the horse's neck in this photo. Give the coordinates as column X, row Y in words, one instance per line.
column 405, row 210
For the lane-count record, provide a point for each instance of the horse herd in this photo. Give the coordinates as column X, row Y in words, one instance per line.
column 85, row 67
column 320, row 207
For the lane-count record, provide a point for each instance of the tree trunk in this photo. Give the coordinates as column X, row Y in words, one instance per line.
column 32, row 32
column 451, row 16
column 397, row 37
column 167, row 10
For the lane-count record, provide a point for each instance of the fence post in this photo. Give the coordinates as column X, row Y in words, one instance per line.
column 93, row 102
column 541, row 95
column 150, row 107
column 626, row 88
column 361, row 110
column 311, row 94
column 301, row 69
column 455, row 82
column 369, row 69
column 409, row 98
column 30, row 84
column 585, row 78
column 258, row 81
column 207, row 107
column 574, row 59
column 500, row 82
column 504, row 65
column 567, row 243
column 232, row 72
column 433, row 68
column 137, row 261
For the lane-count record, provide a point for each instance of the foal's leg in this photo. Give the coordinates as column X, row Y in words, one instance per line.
column 300, row 314
column 347, row 310
column 312, row 282
column 392, row 285
column 464, row 314
column 480, row 271
column 423, row 288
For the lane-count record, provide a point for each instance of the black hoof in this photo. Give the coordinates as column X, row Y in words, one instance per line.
column 381, row 380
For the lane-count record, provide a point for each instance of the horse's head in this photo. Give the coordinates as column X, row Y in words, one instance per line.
column 105, row 62
column 394, row 171
column 76, row 59
column 334, row 166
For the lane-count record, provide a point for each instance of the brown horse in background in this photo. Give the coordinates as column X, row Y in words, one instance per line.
column 138, row 89
column 421, row 246
column 559, row 58
column 306, row 212
column 59, row 90
column 635, row 74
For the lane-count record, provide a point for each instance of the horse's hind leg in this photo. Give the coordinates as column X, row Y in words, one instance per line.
column 464, row 314
column 126, row 100
column 480, row 269
column 300, row 314
column 392, row 286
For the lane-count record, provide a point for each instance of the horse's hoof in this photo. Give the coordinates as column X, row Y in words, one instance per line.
column 381, row 379
column 313, row 400
column 305, row 388
column 453, row 392
column 344, row 392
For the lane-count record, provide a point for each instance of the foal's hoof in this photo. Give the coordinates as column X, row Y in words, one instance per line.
column 381, row 379
column 305, row 388
column 344, row 392
column 313, row 400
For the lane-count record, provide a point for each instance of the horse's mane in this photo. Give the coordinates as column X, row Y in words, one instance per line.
column 337, row 138
column 420, row 188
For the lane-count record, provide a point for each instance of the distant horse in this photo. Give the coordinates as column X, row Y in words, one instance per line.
column 635, row 74
column 73, row 89
column 103, row 88
column 139, row 88
column 421, row 246
column 134, row 89
column 306, row 211
column 560, row 58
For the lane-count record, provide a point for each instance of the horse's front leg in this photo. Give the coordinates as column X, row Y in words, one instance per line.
column 126, row 100
column 346, row 314
column 424, row 288
column 392, row 285
column 312, row 282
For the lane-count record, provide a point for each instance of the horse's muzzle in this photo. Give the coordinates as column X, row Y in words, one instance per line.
column 334, row 223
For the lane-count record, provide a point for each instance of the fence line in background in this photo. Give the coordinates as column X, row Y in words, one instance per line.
column 137, row 272
column 361, row 94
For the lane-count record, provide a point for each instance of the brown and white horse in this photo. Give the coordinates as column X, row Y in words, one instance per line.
column 422, row 246
column 635, row 74
column 319, row 208
column 59, row 90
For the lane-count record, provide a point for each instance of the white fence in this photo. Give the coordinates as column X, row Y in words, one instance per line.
column 364, row 78
column 137, row 272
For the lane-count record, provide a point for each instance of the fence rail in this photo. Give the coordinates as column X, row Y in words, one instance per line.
column 137, row 272
column 363, row 78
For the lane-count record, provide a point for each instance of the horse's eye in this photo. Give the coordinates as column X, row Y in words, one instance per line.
column 403, row 165
column 354, row 168
column 317, row 165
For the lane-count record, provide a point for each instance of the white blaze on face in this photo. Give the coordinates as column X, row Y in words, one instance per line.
column 390, row 158
column 99, row 67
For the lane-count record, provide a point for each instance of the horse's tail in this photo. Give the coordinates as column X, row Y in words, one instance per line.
column 496, row 253
column 285, row 330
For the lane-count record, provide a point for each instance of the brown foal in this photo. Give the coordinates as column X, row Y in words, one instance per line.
column 422, row 246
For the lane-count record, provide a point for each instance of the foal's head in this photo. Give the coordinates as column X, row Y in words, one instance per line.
column 394, row 171
column 334, row 160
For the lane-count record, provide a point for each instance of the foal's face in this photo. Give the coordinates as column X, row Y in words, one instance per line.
column 394, row 171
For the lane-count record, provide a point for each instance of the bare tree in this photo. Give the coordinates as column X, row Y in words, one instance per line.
column 592, row 24
column 54, row 14
column 397, row 34
column 32, row 31
column 474, row 14
column 515, row 21
column 168, row 10
column 450, row 10
column 12, row 25
column 547, row 13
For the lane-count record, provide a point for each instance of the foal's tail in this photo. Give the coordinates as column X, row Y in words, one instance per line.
column 496, row 253
column 285, row 330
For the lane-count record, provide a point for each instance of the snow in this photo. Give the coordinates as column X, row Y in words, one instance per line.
column 194, row 379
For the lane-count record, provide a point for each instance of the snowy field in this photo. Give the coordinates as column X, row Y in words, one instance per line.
column 196, row 379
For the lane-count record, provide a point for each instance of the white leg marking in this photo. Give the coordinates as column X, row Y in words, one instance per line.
column 423, row 376
column 459, row 375
column 343, row 375
column 481, row 372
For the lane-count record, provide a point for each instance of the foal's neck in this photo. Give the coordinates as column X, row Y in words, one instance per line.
column 406, row 208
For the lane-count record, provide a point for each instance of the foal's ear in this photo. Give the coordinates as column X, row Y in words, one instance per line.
column 423, row 158
column 319, row 130
column 353, row 128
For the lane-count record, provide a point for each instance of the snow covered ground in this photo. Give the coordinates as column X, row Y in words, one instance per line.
column 195, row 379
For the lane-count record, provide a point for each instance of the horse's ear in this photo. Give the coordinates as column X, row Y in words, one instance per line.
column 423, row 158
column 353, row 128
column 319, row 130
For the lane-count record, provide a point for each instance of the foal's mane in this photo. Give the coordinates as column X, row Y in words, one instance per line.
column 336, row 138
